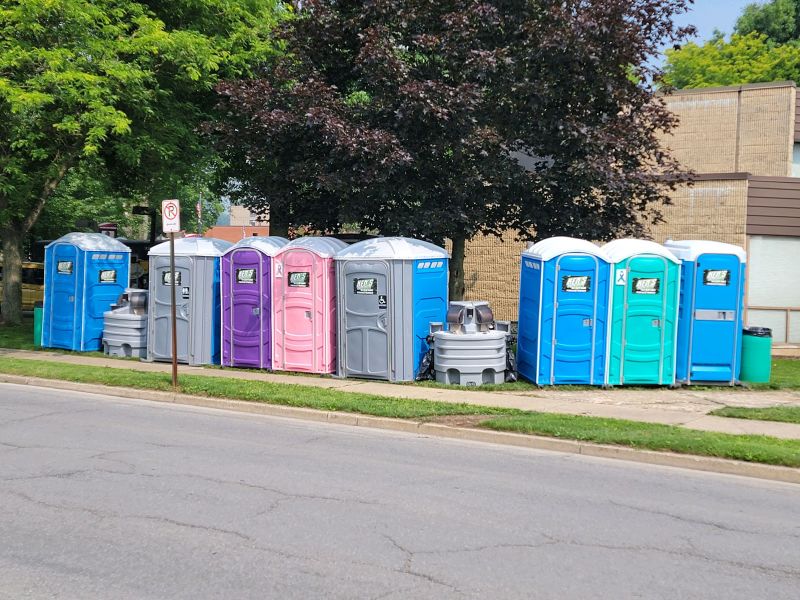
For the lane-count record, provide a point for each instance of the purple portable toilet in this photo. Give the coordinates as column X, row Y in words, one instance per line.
column 247, row 302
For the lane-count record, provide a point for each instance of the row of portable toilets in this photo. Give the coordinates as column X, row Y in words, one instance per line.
column 629, row 312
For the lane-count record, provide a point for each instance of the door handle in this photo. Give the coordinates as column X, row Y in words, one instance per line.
column 657, row 323
column 256, row 311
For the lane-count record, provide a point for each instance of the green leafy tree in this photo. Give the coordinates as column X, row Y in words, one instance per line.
column 118, row 81
column 750, row 58
column 452, row 118
column 779, row 20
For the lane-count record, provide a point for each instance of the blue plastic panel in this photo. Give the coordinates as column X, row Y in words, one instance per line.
column 429, row 301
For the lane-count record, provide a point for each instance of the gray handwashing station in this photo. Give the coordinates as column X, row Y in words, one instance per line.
column 125, row 325
column 473, row 349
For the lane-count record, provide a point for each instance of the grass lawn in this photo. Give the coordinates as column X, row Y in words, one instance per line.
column 18, row 337
column 653, row 436
column 783, row 414
column 245, row 389
column 591, row 429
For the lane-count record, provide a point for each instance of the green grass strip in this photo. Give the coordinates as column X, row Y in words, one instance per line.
column 285, row 394
column 782, row 414
column 653, row 436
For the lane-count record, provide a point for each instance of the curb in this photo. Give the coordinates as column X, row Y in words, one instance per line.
column 651, row 457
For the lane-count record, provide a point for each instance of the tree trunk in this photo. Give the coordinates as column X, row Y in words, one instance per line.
column 11, row 310
column 457, row 288
column 13, row 234
column 278, row 223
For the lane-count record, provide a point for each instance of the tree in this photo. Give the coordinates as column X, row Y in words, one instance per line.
column 452, row 118
column 120, row 81
column 779, row 20
column 750, row 58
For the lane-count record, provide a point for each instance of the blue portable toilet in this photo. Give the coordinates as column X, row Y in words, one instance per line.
column 389, row 291
column 563, row 313
column 711, row 312
column 84, row 274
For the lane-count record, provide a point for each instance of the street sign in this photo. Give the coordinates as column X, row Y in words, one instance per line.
column 171, row 216
column 171, row 223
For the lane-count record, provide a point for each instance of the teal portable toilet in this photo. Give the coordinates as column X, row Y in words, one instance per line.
column 643, row 313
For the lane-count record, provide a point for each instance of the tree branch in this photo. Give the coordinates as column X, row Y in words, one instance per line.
column 63, row 165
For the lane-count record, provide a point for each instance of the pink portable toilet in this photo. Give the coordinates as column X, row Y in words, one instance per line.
column 304, row 305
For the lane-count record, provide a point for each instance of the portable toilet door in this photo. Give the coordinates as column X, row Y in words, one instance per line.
column 61, row 297
column 711, row 312
column 197, row 301
column 159, row 338
column 563, row 313
column 247, row 302
column 644, row 313
column 365, row 333
column 304, row 305
column 389, row 292
column 85, row 273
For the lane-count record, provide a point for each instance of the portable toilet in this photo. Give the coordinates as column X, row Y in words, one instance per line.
column 563, row 312
column 197, row 299
column 247, row 302
column 84, row 275
column 304, row 305
column 711, row 313
column 644, row 313
column 389, row 292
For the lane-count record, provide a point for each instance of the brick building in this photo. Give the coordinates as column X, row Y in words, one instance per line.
column 743, row 143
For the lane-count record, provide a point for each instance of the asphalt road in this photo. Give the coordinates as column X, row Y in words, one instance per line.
column 108, row 498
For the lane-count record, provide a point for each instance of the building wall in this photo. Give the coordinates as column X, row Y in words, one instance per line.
column 491, row 272
column 713, row 209
column 728, row 130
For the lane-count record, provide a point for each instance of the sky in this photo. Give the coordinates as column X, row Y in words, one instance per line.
column 708, row 15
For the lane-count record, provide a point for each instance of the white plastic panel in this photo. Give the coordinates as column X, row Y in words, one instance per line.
column 620, row 250
column 92, row 242
column 557, row 246
column 268, row 245
column 193, row 246
column 324, row 247
column 689, row 250
column 399, row 248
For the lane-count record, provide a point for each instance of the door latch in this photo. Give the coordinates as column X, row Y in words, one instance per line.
column 656, row 322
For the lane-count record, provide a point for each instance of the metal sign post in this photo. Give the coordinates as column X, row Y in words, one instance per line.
column 171, row 220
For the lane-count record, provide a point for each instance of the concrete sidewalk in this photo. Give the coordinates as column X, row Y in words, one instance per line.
column 684, row 407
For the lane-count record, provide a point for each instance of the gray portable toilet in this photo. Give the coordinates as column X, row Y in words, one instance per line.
column 389, row 291
column 197, row 298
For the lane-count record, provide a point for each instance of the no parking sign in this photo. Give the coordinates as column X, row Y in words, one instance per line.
column 171, row 216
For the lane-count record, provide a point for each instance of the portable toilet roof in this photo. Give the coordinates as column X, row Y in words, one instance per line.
column 620, row 250
column 400, row 248
column 193, row 246
column 324, row 247
column 556, row 246
column 692, row 249
column 91, row 242
column 269, row 245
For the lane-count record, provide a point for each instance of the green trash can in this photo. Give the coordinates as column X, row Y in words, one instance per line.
column 37, row 324
column 756, row 354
